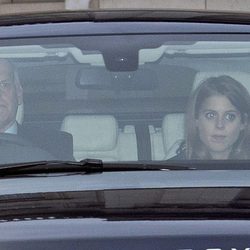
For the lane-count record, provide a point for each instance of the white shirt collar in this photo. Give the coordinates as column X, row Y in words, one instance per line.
column 12, row 129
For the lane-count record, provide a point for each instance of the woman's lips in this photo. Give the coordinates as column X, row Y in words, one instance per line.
column 218, row 138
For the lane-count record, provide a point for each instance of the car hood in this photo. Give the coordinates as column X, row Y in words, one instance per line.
column 128, row 195
column 124, row 180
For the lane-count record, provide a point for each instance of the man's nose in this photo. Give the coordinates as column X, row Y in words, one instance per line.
column 220, row 123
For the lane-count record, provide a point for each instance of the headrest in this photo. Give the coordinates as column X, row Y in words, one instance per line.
column 19, row 114
column 242, row 77
column 92, row 132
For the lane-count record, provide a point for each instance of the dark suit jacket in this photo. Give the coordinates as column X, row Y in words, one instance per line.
column 180, row 153
column 57, row 143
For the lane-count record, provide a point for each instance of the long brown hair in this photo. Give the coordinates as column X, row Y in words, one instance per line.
column 238, row 96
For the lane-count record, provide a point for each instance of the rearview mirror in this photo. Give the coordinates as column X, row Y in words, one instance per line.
column 100, row 78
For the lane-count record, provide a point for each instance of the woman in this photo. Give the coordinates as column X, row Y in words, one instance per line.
column 217, row 121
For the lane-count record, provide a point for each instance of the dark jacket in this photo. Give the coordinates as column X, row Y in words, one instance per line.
column 57, row 143
column 179, row 156
column 180, row 153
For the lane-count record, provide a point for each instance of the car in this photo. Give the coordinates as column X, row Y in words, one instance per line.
column 98, row 153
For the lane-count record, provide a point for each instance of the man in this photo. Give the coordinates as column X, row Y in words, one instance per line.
column 52, row 144
column 11, row 95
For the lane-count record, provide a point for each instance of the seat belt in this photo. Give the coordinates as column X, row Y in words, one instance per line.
column 143, row 142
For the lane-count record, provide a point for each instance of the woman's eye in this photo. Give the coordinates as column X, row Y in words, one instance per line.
column 210, row 115
column 230, row 117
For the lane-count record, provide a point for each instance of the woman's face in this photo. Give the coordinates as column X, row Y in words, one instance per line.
column 219, row 124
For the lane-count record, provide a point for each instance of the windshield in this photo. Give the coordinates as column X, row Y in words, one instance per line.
column 125, row 98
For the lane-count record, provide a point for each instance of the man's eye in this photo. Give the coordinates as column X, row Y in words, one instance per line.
column 230, row 117
column 210, row 115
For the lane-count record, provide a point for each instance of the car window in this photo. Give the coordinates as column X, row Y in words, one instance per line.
column 131, row 97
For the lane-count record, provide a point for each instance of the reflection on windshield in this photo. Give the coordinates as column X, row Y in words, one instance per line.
column 174, row 203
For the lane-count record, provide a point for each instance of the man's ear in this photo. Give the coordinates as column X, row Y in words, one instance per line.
column 196, row 122
column 20, row 95
column 19, row 89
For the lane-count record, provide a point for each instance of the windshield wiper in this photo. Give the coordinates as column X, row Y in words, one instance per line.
column 83, row 166
column 43, row 167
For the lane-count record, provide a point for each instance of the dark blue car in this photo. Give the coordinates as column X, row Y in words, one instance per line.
column 125, row 130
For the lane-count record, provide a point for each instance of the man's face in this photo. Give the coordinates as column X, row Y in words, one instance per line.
column 10, row 96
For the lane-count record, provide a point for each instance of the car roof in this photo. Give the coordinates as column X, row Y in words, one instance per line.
column 105, row 15
column 122, row 22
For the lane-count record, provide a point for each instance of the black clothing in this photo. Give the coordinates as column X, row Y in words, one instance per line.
column 16, row 149
column 57, row 143
column 181, row 155
column 180, row 152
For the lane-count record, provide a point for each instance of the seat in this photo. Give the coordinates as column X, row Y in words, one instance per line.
column 98, row 136
column 166, row 140
column 173, row 133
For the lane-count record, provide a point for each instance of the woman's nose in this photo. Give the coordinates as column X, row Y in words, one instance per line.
column 220, row 123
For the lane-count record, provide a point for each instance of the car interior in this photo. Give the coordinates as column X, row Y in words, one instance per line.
column 130, row 114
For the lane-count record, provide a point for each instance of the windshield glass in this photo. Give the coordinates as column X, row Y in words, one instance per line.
column 125, row 98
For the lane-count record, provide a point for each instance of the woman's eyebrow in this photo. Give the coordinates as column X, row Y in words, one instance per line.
column 205, row 110
column 214, row 110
